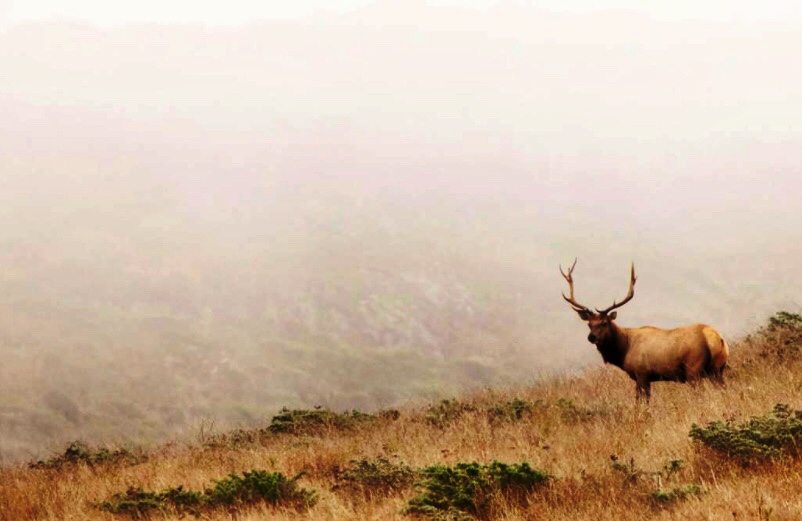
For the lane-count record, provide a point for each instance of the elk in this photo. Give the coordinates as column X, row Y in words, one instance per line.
column 650, row 354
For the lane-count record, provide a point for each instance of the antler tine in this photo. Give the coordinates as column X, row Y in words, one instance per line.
column 630, row 294
column 574, row 304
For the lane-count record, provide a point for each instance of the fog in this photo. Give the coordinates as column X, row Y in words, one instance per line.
column 361, row 210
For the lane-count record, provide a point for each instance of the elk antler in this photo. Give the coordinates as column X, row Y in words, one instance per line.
column 630, row 294
column 574, row 304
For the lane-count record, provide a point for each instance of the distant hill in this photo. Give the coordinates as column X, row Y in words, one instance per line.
column 209, row 224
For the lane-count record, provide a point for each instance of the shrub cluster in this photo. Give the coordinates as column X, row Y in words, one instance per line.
column 299, row 422
column 778, row 341
column 761, row 438
column 319, row 420
column 446, row 412
column 467, row 490
column 374, row 477
column 667, row 496
column 231, row 492
column 662, row 497
column 238, row 438
column 513, row 410
column 79, row 452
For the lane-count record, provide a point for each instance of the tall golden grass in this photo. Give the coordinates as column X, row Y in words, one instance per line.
column 605, row 450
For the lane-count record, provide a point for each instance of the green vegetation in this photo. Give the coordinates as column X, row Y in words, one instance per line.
column 785, row 320
column 513, row 410
column 787, row 327
column 237, row 438
column 79, row 452
column 447, row 411
column 761, row 438
column 319, row 420
column 299, row 422
column 628, row 470
column 638, row 481
column 231, row 492
column 574, row 413
column 138, row 503
column 467, row 490
column 375, row 477
column 779, row 341
column 668, row 496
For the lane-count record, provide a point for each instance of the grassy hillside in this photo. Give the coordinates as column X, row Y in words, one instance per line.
column 567, row 448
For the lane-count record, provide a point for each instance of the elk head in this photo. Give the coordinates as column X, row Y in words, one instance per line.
column 600, row 322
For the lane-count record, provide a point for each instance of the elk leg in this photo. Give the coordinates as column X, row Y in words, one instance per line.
column 718, row 376
column 643, row 390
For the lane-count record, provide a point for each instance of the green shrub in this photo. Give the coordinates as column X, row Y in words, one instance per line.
column 573, row 413
column 319, row 420
column 761, row 438
column 634, row 477
column 785, row 320
column 628, row 470
column 446, row 412
column 778, row 341
column 238, row 438
column 512, row 411
column 466, row 490
column 667, row 496
column 376, row 477
column 786, row 330
column 231, row 492
column 79, row 452
column 259, row 485
column 138, row 503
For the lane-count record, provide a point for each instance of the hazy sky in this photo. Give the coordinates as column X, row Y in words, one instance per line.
column 240, row 11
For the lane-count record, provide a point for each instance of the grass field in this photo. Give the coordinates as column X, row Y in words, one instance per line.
column 606, row 456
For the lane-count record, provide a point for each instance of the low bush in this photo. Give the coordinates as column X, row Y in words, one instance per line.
column 780, row 340
column 513, row 410
column 761, row 438
column 573, row 413
column 638, row 480
column 467, row 490
column 627, row 470
column 139, row 504
column 231, row 492
column 665, row 497
column 238, row 438
column 375, row 477
column 446, row 412
column 319, row 420
column 79, row 452
column 259, row 485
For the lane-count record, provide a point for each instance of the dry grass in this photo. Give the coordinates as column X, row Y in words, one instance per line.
column 576, row 427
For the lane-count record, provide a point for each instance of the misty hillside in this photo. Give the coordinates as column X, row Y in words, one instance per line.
column 355, row 211
column 565, row 448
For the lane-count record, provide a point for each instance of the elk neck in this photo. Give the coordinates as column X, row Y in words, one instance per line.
column 615, row 347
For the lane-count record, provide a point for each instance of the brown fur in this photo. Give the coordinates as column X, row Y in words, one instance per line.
column 649, row 354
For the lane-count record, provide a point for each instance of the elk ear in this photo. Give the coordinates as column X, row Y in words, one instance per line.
column 613, row 315
column 584, row 314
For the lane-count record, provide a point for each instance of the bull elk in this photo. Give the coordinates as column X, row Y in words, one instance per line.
column 649, row 354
